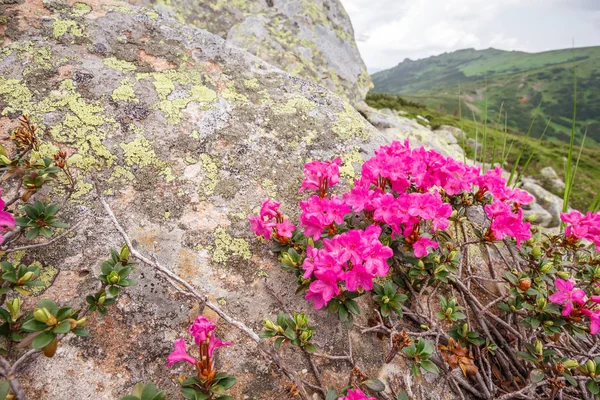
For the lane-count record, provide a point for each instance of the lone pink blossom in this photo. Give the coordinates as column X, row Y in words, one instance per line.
column 566, row 295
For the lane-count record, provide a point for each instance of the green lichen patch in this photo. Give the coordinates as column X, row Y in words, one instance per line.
column 119, row 65
column 124, row 92
column 152, row 14
column 211, row 173
column 80, row 9
column 139, row 152
column 47, row 275
column 227, row 247
column 15, row 94
column 350, row 125
column 296, row 104
column 191, row 89
column 61, row 27
column 347, row 169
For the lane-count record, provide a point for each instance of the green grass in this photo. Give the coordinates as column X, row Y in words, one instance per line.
column 533, row 152
column 517, row 81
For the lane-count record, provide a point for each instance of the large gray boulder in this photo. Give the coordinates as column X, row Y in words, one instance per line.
column 551, row 181
column 312, row 39
column 185, row 134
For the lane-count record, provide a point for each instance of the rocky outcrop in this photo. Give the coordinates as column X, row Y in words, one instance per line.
column 550, row 202
column 312, row 39
column 551, row 181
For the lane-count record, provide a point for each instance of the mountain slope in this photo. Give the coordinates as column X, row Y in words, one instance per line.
column 517, row 81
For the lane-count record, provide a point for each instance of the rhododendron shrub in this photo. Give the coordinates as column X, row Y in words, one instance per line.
column 515, row 304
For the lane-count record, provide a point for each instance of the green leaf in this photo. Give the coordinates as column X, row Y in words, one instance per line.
column 42, row 340
column 49, row 305
column 106, row 267
column 290, row 334
column 227, row 382
column 127, row 282
column 130, row 397
column 33, row 325
column 592, row 387
column 278, row 342
column 374, row 384
column 81, row 332
column 332, row 394
column 63, row 327
column 32, row 233
column 63, row 313
column 311, row 348
column 4, row 389
column 267, row 334
column 536, row 375
column 149, row 392
column 352, row 306
column 429, row 366
column 224, row 398
column 343, row 313
column 113, row 290
column 402, row 396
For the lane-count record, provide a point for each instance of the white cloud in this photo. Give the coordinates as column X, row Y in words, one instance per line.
column 388, row 31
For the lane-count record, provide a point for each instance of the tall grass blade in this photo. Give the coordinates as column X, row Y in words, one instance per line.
column 464, row 134
column 518, row 160
column 569, row 166
column 485, row 122
column 522, row 172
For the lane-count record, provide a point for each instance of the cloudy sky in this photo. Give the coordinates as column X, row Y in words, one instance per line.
column 388, row 31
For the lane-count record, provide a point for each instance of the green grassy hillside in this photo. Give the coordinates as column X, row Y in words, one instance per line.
column 516, row 81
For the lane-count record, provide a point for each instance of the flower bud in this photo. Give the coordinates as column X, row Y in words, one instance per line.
column 590, row 366
column 102, row 299
column 269, row 324
column 539, row 347
column 14, row 307
column 524, row 284
column 301, row 320
column 549, row 323
column 449, row 311
column 81, row 322
column 571, row 364
column 421, row 264
column 306, row 335
column 41, row 315
column 27, row 276
column 452, row 255
column 113, row 277
column 563, row 274
column 536, row 251
column 436, row 259
column 541, row 303
column 287, row 259
column 310, row 242
column 385, row 299
column 531, row 217
column 546, row 268
column 72, row 323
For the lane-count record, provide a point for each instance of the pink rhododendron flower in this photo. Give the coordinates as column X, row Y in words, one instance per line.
column 320, row 175
column 566, row 295
column 505, row 222
column 583, row 226
column 323, row 289
column 7, row 221
column 357, row 277
column 421, row 245
column 179, row 354
column 356, row 394
column 269, row 209
column 201, row 328
column 261, row 227
column 285, row 229
column 214, row 343
column 594, row 320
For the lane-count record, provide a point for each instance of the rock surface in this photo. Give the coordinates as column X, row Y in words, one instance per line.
column 551, row 181
column 185, row 134
column 312, row 39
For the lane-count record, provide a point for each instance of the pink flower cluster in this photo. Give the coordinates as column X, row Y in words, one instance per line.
column 320, row 176
column 202, row 331
column 7, row 221
column 581, row 226
column 568, row 296
column 507, row 223
column 270, row 221
column 353, row 258
column 356, row 394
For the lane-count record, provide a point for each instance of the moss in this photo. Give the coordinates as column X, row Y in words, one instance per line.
column 119, row 65
column 124, row 92
column 81, row 189
column 227, row 246
column 347, row 169
column 80, row 9
column 211, row 170
column 350, row 125
column 61, row 27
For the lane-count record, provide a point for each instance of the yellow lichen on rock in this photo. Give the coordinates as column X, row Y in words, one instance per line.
column 227, row 246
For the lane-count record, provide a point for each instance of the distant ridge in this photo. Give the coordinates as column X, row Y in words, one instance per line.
column 517, row 79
